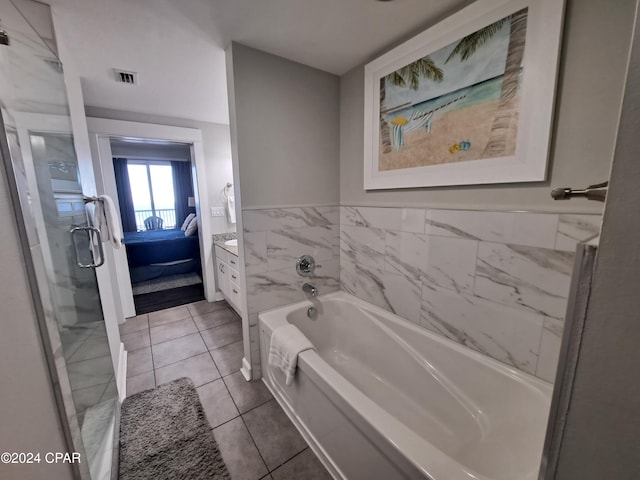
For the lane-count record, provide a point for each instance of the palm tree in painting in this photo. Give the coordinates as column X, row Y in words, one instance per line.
column 409, row 75
column 507, row 105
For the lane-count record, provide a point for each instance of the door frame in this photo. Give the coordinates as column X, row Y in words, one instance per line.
column 101, row 131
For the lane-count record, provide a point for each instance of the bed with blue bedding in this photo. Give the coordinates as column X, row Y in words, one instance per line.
column 161, row 253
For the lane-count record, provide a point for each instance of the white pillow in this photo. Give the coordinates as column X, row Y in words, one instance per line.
column 187, row 221
column 192, row 228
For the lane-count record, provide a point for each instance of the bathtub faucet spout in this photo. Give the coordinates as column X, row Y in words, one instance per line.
column 310, row 290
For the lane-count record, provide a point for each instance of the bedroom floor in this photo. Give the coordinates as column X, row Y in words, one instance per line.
column 164, row 299
column 203, row 341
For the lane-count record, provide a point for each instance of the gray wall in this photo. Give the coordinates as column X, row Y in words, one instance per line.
column 603, row 420
column 285, row 141
column 288, row 128
column 29, row 420
column 592, row 65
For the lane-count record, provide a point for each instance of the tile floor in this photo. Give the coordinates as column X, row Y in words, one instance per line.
column 203, row 341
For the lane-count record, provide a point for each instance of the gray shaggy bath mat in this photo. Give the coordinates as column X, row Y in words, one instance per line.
column 164, row 434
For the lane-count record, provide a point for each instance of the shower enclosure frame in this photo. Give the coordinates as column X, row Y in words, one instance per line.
column 98, row 439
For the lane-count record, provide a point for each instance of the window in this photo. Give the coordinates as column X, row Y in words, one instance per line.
column 152, row 192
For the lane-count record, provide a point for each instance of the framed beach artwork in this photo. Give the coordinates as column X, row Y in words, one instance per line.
column 468, row 101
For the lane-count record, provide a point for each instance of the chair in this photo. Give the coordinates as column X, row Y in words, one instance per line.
column 153, row 223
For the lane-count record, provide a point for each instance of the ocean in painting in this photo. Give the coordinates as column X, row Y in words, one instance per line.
column 481, row 92
column 450, row 128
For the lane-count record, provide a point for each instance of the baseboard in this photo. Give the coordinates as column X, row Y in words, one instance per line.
column 246, row 369
column 218, row 296
column 121, row 380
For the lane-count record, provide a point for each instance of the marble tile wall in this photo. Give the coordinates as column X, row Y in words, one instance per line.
column 495, row 281
column 273, row 241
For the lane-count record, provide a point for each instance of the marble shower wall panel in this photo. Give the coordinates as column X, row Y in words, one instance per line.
column 531, row 229
column 275, row 288
column 255, row 252
column 273, row 240
column 513, row 337
column 573, row 229
column 497, row 282
column 397, row 219
column 534, row 279
column 364, row 245
column 549, row 349
column 452, row 263
column 348, row 273
column 407, row 254
column 285, row 218
column 285, row 246
column 391, row 291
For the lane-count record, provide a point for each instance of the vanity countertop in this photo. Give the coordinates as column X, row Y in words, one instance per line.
column 232, row 250
column 220, row 238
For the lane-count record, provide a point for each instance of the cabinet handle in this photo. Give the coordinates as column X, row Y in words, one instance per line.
column 222, row 268
column 232, row 262
column 235, row 291
column 233, row 276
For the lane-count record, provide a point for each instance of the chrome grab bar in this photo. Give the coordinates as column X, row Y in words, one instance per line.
column 91, row 231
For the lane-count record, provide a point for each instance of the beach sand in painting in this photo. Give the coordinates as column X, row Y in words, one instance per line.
column 470, row 123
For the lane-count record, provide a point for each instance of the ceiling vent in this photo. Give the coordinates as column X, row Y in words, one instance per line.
column 123, row 76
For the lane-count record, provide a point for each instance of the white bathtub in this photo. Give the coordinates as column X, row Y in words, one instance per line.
column 384, row 399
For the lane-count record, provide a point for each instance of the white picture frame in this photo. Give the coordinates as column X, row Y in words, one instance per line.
column 536, row 96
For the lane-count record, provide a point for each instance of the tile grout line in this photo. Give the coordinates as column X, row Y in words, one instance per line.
column 240, row 415
column 255, row 444
column 201, row 353
column 208, row 350
column 153, row 365
column 215, row 365
column 187, row 334
column 292, row 457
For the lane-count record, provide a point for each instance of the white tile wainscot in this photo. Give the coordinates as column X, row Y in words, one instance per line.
column 496, row 282
column 273, row 240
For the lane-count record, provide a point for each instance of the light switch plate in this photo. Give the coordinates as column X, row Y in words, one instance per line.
column 217, row 211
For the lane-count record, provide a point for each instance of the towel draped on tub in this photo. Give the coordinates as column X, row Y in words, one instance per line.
column 287, row 342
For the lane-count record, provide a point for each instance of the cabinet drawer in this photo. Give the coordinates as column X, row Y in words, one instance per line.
column 221, row 254
column 233, row 274
column 235, row 295
column 233, row 261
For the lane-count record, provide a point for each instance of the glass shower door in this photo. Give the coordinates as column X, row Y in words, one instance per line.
column 43, row 171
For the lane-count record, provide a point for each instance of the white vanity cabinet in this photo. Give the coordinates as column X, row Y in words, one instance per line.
column 228, row 277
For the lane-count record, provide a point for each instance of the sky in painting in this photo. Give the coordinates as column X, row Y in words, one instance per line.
column 487, row 62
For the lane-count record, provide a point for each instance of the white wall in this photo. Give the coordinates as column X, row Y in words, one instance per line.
column 588, row 101
column 217, row 151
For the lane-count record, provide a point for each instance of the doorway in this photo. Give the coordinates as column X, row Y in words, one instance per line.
column 108, row 139
column 156, row 199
